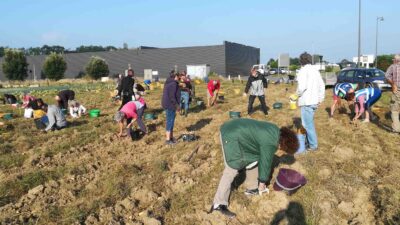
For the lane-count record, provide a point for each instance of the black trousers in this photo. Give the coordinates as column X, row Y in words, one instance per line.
column 262, row 101
column 125, row 99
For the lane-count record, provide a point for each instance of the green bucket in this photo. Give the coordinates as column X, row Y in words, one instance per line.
column 149, row 116
column 277, row 105
column 234, row 115
column 94, row 113
column 8, row 116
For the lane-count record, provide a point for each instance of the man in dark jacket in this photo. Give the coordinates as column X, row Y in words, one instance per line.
column 170, row 102
column 255, row 87
column 63, row 97
column 251, row 145
column 125, row 89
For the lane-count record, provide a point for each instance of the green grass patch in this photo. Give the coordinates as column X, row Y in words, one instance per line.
column 11, row 190
column 8, row 161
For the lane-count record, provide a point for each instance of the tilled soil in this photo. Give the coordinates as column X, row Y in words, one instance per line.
column 86, row 175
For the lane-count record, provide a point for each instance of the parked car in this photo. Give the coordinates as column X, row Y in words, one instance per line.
column 273, row 71
column 369, row 77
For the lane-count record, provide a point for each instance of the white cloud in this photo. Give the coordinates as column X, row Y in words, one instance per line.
column 53, row 37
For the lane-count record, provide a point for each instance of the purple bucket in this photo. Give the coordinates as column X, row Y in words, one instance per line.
column 289, row 180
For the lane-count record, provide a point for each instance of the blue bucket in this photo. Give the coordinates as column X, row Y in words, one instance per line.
column 302, row 143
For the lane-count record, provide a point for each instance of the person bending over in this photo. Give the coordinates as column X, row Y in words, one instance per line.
column 363, row 100
column 55, row 117
column 251, row 145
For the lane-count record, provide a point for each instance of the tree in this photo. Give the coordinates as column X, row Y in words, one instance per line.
column 97, row 68
column 295, row 61
column 15, row 66
column 294, row 67
column 273, row 63
column 384, row 61
column 2, row 49
column 54, row 66
column 305, row 58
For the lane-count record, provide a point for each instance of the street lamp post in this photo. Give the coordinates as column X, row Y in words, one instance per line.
column 378, row 19
column 359, row 33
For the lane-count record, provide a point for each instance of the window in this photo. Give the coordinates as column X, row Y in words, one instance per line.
column 379, row 73
column 369, row 73
column 360, row 74
column 350, row 74
column 342, row 74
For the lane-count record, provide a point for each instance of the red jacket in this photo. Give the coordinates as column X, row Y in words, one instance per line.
column 211, row 87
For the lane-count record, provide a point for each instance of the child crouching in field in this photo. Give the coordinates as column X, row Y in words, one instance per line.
column 76, row 110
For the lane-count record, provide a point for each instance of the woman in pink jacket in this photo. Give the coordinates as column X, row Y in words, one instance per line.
column 131, row 112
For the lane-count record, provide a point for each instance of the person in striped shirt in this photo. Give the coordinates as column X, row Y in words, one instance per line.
column 363, row 100
column 339, row 92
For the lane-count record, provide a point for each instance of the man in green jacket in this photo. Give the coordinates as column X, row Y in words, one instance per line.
column 251, row 145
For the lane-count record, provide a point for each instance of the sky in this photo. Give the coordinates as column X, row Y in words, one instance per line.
column 322, row 27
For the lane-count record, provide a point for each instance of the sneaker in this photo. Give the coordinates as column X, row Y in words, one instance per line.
column 223, row 209
column 365, row 121
column 251, row 192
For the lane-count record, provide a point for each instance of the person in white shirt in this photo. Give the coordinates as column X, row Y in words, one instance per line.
column 76, row 110
column 311, row 92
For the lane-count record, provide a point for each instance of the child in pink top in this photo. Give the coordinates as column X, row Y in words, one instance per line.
column 213, row 87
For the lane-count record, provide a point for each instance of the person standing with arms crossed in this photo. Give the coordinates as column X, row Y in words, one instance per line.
column 393, row 78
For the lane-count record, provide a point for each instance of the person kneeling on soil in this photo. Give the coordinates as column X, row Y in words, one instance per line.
column 364, row 99
column 76, row 110
column 213, row 87
column 55, row 117
column 131, row 112
column 251, row 145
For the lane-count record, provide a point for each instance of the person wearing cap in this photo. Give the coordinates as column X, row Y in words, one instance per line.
column 170, row 103
column 63, row 97
column 339, row 92
column 213, row 87
column 55, row 117
column 251, row 145
column 131, row 112
column 76, row 110
column 125, row 90
column 363, row 100
column 255, row 87
column 393, row 78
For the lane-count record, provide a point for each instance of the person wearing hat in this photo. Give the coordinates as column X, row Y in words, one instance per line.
column 251, row 145
column 339, row 92
column 76, row 110
column 393, row 78
column 131, row 112
column 55, row 117
column 125, row 90
column 255, row 87
column 63, row 97
column 213, row 87
column 363, row 100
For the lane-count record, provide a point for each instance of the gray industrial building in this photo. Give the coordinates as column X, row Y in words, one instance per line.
column 226, row 59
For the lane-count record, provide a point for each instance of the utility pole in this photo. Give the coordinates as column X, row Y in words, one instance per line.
column 359, row 33
column 378, row 19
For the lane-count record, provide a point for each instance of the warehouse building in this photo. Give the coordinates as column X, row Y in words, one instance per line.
column 226, row 59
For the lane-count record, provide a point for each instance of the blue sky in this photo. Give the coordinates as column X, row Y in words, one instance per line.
column 284, row 26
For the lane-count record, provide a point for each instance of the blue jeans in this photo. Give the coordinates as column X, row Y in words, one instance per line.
column 185, row 100
column 170, row 119
column 307, row 120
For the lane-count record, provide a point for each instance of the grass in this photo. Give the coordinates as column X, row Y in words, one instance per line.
column 101, row 170
column 13, row 189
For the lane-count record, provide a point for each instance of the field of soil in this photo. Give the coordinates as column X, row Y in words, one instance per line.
column 86, row 175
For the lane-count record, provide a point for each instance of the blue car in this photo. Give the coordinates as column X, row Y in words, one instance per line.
column 369, row 77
